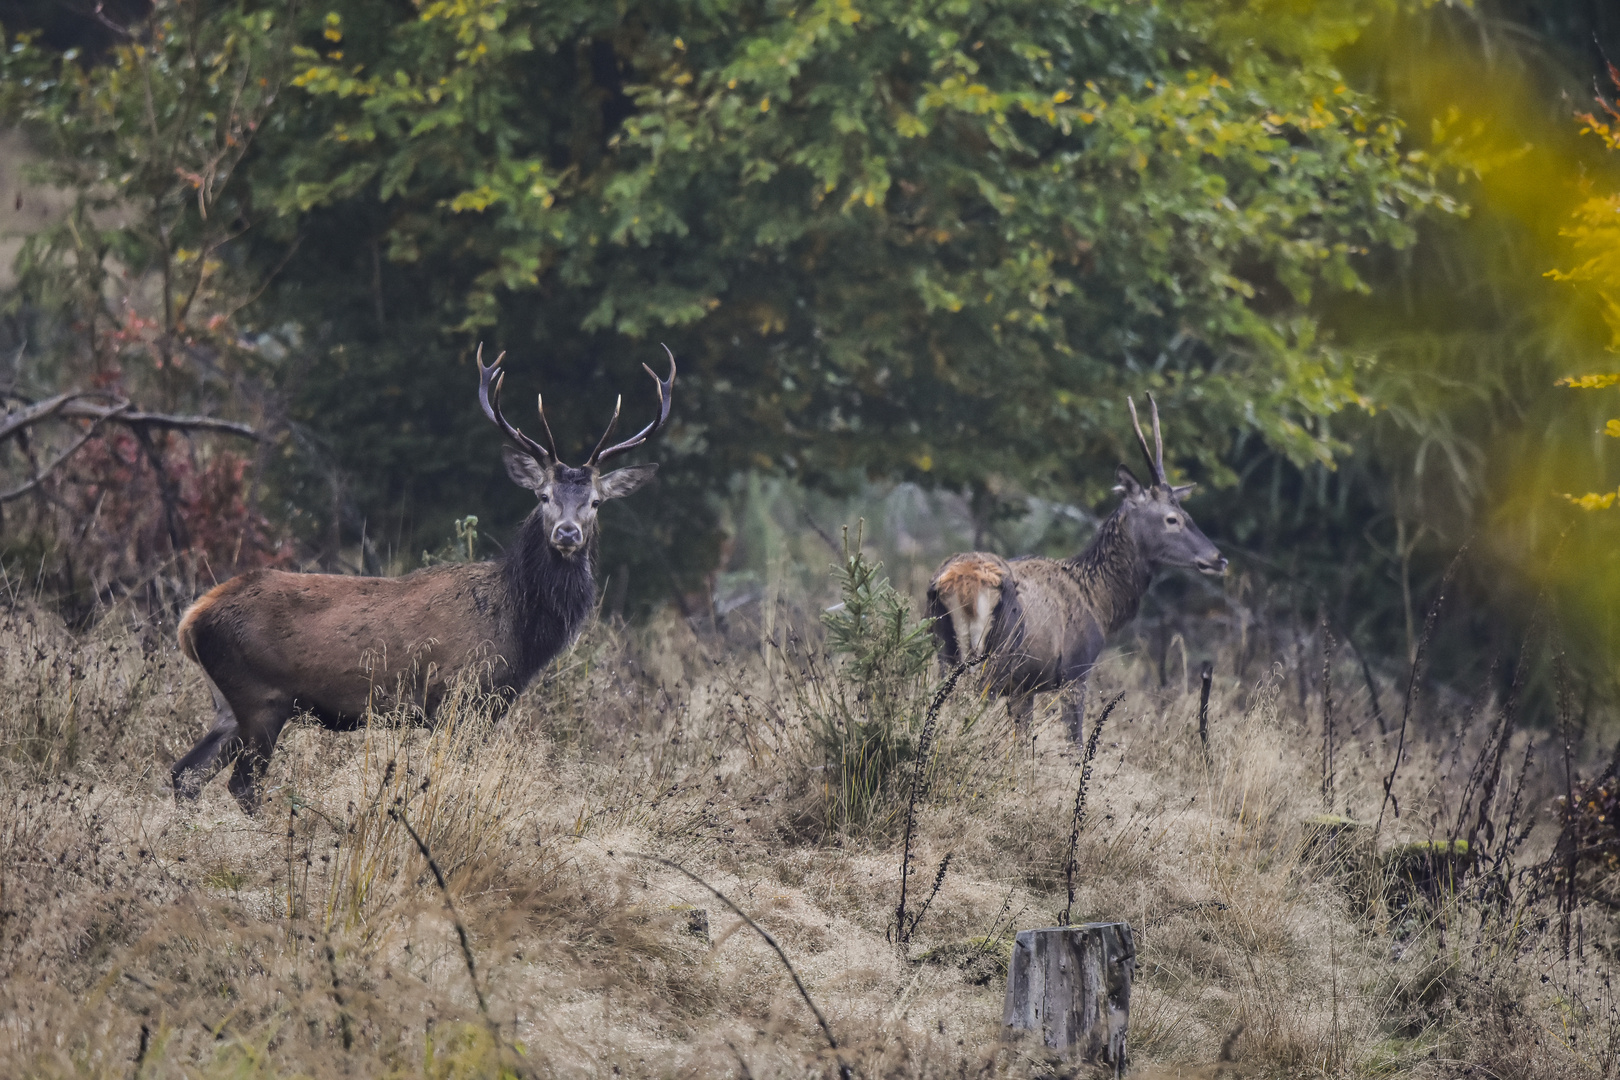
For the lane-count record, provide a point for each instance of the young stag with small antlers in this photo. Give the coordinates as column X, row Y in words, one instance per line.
column 1038, row 624
column 273, row 643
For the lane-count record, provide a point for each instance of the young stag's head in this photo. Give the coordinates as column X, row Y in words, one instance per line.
column 1152, row 516
column 569, row 496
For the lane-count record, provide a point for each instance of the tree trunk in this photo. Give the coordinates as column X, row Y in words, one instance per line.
column 1072, row 984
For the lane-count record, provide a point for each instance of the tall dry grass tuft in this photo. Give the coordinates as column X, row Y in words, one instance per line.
column 515, row 935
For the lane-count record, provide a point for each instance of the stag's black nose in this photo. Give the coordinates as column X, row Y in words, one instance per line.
column 1216, row 565
column 567, row 536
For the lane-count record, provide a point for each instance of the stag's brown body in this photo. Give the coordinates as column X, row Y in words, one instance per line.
column 274, row 644
column 349, row 643
column 1038, row 625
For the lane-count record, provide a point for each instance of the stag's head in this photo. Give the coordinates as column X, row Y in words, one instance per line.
column 570, row 496
column 1161, row 529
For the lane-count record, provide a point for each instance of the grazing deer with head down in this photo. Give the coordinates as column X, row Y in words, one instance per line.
column 273, row 643
column 1039, row 624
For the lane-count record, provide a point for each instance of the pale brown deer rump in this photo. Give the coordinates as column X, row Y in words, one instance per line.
column 969, row 590
column 1037, row 625
column 273, row 643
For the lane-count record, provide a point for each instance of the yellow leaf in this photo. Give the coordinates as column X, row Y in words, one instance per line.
column 1589, row 382
column 1592, row 500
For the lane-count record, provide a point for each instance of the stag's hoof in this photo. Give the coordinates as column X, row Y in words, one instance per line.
column 186, row 783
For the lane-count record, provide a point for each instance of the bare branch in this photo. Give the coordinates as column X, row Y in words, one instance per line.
column 19, row 492
column 85, row 410
column 33, row 414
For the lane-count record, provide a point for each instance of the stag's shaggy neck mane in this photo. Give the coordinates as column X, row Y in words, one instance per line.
column 1113, row 572
column 551, row 596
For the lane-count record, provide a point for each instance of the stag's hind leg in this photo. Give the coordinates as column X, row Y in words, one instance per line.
column 1073, row 696
column 1021, row 709
column 212, row 751
column 261, row 728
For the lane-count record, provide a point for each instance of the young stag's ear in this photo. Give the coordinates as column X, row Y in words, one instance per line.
column 621, row 482
column 523, row 469
column 1181, row 491
column 1128, row 485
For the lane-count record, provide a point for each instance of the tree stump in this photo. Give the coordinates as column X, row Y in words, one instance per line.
column 1072, row 985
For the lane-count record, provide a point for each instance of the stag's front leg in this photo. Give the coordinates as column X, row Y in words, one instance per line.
column 1021, row 710
column 1074, row 708
column 259, row 734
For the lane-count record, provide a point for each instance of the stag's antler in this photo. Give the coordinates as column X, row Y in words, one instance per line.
column 1155, row 461
column 489, row 396
column 666, row 392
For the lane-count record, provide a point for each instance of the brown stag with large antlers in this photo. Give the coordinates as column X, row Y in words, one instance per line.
column 1039, row 624
column 273, row 644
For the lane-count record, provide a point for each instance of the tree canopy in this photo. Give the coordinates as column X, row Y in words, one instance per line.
column 934, row 241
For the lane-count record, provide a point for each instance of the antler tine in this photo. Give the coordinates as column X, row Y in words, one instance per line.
column 489, row 396
column 613, row 422
column 666, row 396
column 1158, row 442
column 1147, row 454
column 540, row 404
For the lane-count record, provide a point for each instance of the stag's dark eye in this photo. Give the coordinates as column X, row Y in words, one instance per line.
column 545, row 498
column 1171, row 519
column 595, row 503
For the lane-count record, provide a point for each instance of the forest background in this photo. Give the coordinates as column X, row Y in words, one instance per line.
column 1350, row 246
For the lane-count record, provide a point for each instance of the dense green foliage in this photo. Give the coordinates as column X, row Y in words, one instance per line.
column 931, row 241
column 903, row 240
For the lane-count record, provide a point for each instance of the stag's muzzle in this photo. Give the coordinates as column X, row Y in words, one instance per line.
column 567, row 537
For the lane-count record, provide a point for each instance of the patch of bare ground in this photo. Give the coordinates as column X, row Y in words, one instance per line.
column 140, row 937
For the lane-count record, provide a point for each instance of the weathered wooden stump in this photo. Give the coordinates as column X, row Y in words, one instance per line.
column 1072, row 985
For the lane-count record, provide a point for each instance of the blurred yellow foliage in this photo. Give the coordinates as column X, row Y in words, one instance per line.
column 1589, row 382
column 1592, row 500
column 1596, row 236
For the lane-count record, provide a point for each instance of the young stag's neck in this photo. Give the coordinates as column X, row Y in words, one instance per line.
column 1114, row 573
column 552, row 596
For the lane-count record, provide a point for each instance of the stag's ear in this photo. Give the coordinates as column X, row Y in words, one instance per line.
column 621, row 482
column 1181, row 491
column 1128, row 485
column 523, row 469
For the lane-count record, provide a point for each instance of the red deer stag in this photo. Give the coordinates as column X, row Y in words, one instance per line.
column 1038, row 624
column 273, row 643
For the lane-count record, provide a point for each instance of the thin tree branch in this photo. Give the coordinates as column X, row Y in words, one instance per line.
column 84, row 410
column 826, row 1029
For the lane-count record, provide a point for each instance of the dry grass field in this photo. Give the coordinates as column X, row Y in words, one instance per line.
column 141, row 938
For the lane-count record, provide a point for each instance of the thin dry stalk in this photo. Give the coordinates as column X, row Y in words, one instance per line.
column 1327, row 716
column 461, row 928
column 1411, row 689
column 1080, row 805
column 919, row 779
